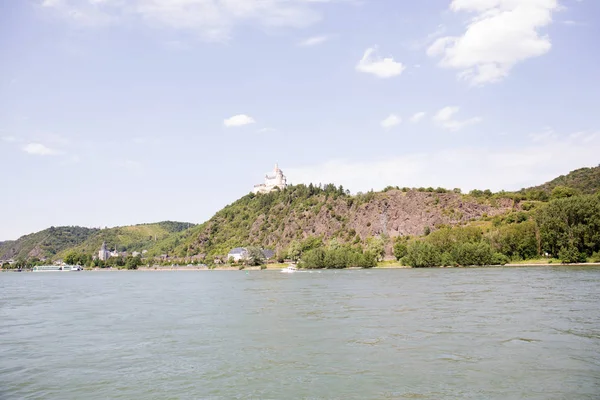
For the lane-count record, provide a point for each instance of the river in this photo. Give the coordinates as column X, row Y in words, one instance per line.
column 484, row 333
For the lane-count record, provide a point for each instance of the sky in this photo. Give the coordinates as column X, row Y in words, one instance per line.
column 117, row 112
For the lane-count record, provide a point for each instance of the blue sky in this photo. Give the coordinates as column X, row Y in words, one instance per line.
column 116, row 112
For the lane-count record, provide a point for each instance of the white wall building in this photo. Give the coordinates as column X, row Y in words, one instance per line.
column 103, row 254
column 278, row 180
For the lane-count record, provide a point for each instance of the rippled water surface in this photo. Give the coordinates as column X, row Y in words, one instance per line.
column 502, row 333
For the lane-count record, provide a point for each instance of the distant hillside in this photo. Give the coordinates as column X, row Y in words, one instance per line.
column 132, row 238
column 585, row 180
column 276, row 219
column 46, row 243
column 55, row 242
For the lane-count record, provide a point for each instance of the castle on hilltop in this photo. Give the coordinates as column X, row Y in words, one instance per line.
column 278, row 180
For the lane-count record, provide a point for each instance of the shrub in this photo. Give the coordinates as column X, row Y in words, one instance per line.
column 400, row 250
column 473, row 254
column 570, row 255
column 422, row 255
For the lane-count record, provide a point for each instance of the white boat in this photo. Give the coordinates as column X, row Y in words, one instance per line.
column 289, row 270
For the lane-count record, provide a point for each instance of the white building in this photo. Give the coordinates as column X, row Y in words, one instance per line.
column 103, row 254
column 237, row 254
column 278, row 180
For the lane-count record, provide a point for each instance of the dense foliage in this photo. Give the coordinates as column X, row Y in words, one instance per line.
column 567, row 228
column 570, row 227
column 327, row 227
column 583, row 180
column 46, row 243
column 338, row 258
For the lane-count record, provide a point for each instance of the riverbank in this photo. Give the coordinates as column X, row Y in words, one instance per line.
column 275, row 267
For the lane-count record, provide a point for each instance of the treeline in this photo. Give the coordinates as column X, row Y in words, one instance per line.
column 566, row 228
column 86, row 260
column 339, row 258
column 312, row 253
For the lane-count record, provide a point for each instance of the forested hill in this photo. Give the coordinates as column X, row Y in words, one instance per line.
column 583, row 180
column 46, row 243
column 300, row 214
column 276, row 219
column 55, row 241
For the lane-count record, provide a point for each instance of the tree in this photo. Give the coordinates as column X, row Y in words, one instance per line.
column 255, row 256
column 376, row 246
column 561, row 192
column 421, row 254
column 133, row 262
column 570, row 225
column 400, row 249
column 71, row 258
column 295, row 250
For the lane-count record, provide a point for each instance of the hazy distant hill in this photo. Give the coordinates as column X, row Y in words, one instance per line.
column 132, row 238
column 585, row 180
column 57, row 241
column 46, row 243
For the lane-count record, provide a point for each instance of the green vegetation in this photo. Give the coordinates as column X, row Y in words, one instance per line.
column 46, row 243
column 326, row 227
column 338, row 258
column 567, row 228
column 583, row 180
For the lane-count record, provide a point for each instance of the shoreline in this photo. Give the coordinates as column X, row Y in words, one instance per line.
column 384, row 267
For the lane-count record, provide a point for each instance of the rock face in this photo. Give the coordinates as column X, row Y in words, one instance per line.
column 348, row 219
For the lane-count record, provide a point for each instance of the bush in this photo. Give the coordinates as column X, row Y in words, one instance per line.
column 473, row 254
column 422, row 255
column 499, row 259
column 338, row 258
column 571, row 255
column 400, row 250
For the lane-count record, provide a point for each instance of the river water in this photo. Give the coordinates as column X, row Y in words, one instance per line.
column 497, row 333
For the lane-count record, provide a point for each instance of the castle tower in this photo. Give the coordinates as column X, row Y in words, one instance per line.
column 103, row 253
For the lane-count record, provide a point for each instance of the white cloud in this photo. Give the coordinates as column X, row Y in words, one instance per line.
column 417, row 117
column 494, row 168
column 313, row 41
column 238, row 120
column 9, row 139
column 501, row 34
column 380, row 67
column 39, row 149
column 445, row 119
column 391, row 121
column 209, row 19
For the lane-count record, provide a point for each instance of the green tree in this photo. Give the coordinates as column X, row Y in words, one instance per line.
column 255, row 256
column 71, row 258
column 133, row 262
column 376, row 245
column 570, row 226
column 400, row 249
column 422, row 254
column 561, row 192
column 295, row 250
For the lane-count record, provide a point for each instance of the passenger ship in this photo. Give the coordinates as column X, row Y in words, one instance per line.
column 50, row 268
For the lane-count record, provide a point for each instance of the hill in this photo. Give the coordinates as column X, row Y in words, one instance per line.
column 46, row 243
column 298, row 213
column 583, row 180
column 55, row 242
column 277, row 219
